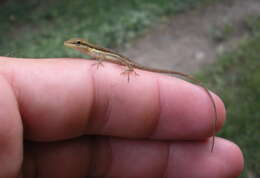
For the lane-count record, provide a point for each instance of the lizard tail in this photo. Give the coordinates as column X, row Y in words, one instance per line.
column 214, row 123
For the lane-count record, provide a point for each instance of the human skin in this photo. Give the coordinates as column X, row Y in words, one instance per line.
column 66, row 118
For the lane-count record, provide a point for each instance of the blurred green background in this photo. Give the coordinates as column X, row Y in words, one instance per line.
column 38, row 28
column 32, row 28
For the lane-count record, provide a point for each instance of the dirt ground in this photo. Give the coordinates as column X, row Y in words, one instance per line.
column 189, row 41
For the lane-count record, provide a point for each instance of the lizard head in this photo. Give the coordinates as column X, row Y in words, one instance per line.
column 78, row 44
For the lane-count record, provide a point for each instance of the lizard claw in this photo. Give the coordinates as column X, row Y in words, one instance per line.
column 98, row 63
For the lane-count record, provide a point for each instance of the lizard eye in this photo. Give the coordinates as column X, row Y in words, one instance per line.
column 78, row 43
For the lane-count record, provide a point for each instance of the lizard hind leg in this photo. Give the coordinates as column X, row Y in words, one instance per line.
column 130, row 70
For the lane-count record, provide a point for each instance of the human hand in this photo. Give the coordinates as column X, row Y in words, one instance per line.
column 75, row 121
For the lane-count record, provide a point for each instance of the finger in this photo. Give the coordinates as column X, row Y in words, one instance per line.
column 225, row 161
column 66, row 159
column 154, row 106
column 10, row 132
column 54, row 96
column 132, row 158
column 110, row 157
column 67, row 98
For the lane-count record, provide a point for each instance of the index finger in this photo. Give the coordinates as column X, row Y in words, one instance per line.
column 66, row 98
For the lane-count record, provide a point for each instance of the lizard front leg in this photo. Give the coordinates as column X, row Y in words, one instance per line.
column 99, row 61
column 129, row 71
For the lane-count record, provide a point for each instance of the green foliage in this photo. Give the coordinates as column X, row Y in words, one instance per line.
column 30, row 29
column 220, row 34
column 252, row 22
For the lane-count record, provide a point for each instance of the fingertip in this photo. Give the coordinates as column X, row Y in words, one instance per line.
column 226, row 160
column 230, row 155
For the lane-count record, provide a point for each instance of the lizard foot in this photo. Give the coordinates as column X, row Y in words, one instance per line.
column 98, row 63
column 128, row 72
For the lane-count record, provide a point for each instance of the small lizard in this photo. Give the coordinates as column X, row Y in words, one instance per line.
column 104, row 54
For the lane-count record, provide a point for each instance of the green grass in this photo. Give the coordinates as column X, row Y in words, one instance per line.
column 220, row 34
column 236, row 78
column 30, row 29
